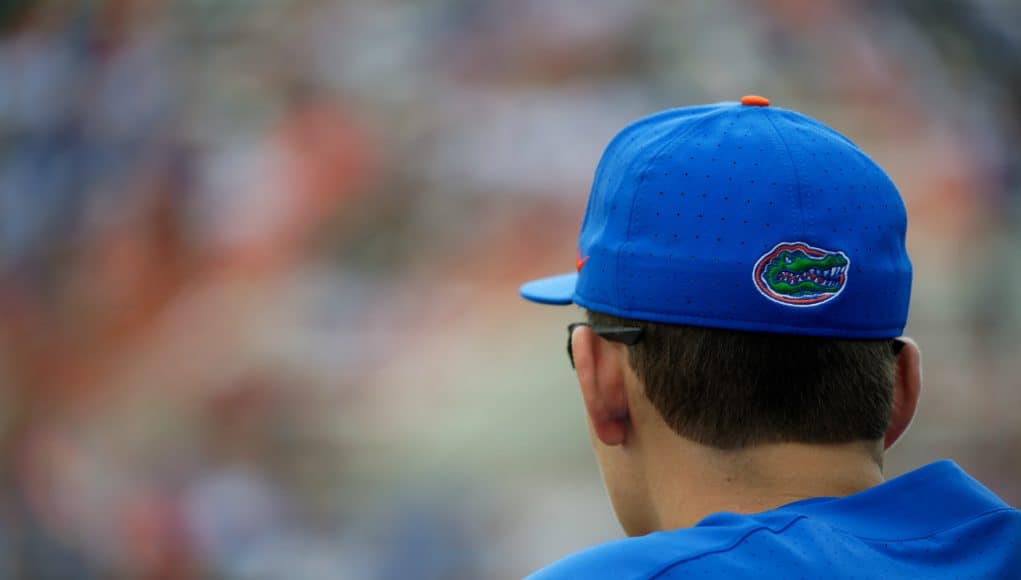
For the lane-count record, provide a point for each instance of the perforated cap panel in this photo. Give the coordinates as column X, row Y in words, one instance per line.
column 694, row 211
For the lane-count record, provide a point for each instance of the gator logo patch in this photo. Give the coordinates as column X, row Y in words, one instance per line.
column 797, row 274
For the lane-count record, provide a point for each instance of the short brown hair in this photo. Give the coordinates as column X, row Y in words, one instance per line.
column 731, row 389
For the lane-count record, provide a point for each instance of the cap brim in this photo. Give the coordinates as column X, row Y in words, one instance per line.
column 558, row 290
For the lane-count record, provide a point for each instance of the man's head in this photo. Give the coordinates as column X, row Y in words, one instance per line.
column 730, row 389
column 753, row 260
column 727, row 393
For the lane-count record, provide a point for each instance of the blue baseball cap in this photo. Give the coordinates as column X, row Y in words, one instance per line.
column 740, row 216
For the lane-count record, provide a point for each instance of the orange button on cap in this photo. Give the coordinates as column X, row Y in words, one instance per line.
column 754, row 101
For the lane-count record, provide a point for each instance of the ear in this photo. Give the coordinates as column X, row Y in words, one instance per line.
column 907, row 386
column 598, row 364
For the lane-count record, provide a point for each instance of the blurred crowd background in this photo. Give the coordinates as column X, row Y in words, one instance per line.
column 259, row 261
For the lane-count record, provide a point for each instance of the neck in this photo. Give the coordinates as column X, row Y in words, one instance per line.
column 755, row 480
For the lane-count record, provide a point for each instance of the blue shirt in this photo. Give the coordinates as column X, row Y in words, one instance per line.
column 934, row 522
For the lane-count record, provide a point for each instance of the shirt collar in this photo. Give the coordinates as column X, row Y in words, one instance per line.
column 919, row 503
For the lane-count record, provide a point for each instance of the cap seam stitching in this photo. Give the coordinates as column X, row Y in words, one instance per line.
column 620, row 136
column 794, row 169
column 634, row 199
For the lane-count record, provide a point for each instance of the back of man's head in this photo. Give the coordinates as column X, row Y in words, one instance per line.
column 745, row 282
column 752, row 262
column 731, row 390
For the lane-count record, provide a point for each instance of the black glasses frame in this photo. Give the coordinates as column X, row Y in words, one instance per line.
column 898, row 345
column 628, row 335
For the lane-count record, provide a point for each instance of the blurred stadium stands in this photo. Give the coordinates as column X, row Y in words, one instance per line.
column 259, row 261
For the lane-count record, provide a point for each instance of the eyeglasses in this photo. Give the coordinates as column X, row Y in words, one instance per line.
column 628, row 335
column 898, row 345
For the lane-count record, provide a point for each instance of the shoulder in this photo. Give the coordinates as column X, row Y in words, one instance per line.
column 650, row 556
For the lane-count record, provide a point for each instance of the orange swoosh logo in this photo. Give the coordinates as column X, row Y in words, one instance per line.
column 581, row 261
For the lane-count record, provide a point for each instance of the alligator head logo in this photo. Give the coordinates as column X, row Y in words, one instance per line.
column 797, row 274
